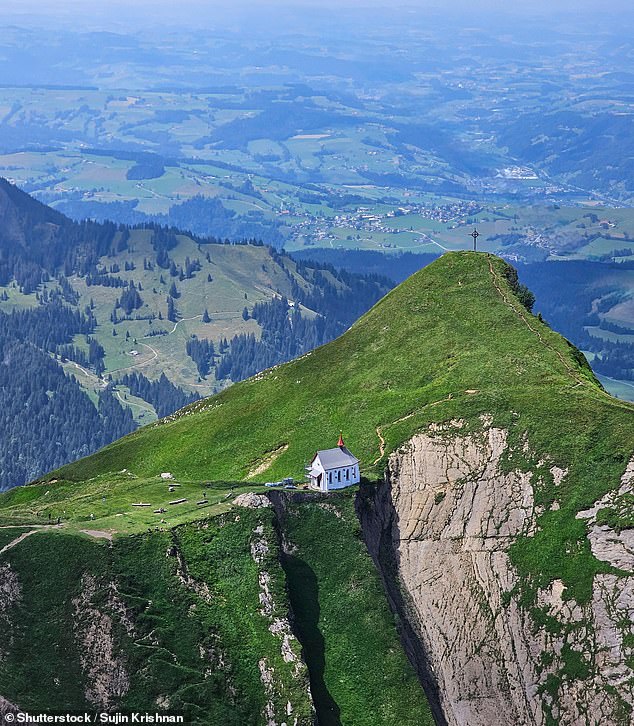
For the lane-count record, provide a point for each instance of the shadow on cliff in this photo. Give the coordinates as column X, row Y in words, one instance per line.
column 303, row 592
column 380, row 526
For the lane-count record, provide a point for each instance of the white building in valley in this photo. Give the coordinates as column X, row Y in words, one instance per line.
column 333, row 468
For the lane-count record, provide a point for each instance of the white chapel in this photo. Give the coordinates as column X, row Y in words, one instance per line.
column 333, row 468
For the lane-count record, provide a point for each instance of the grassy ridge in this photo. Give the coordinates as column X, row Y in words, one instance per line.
column 444, row 332
column 453, row 341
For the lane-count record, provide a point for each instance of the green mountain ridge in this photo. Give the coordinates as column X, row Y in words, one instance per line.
column 432, row 348
column 451, row 354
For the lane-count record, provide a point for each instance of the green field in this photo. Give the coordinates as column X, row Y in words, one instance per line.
column 107, row 503
column 265, row 174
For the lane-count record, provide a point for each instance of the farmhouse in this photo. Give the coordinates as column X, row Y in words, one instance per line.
column 333, row 468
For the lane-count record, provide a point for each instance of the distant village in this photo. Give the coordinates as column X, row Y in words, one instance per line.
column 366, row 220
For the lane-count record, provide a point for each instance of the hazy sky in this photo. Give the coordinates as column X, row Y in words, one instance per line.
column 112, row 7
column 134, row 14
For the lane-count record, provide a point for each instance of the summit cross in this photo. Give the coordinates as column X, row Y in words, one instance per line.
column 475, row 234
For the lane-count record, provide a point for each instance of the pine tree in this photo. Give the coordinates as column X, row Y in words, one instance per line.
column 172, row 313
column 162, row 258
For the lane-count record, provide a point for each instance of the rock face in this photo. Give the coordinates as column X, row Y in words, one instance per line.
column 440, row 529
column 251, row 501
column 617, row 548
column 105, row 670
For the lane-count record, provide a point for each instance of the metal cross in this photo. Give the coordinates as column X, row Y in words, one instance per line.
column 475, row 234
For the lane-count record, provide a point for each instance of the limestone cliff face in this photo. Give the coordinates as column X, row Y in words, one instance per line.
column 440, row 528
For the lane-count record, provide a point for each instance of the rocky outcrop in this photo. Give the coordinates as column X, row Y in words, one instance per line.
column 439, row 529
column 10, row 595
column 275, row 713
column 608, row 544
column 104, row 668
column 252, row 500
column 10, row 590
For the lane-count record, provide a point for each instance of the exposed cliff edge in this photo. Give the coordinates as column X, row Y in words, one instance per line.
column 440, row 528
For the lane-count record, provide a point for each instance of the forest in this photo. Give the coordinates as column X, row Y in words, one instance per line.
column 47, row 418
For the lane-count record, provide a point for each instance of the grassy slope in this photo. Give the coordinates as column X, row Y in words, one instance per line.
column 445, row 331
column 452, row 341
column 242, row 275
column 106, row 503
column 177, row 638
column 203, row 654
column 416, row 357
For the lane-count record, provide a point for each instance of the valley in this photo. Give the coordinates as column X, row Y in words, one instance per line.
column 385, row 139
column 134, row 323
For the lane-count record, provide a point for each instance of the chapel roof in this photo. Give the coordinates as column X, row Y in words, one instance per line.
column 336, row 458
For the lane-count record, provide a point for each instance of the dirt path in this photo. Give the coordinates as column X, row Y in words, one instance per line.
column 381, row 446
column 534, row 330
column 579, row 380
column 138, row 405
column 98, row 534
column 182, row 320
column 432, row 241
column 101, row 382
column 267, row 461
column 153, row 193
column 17, row 540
